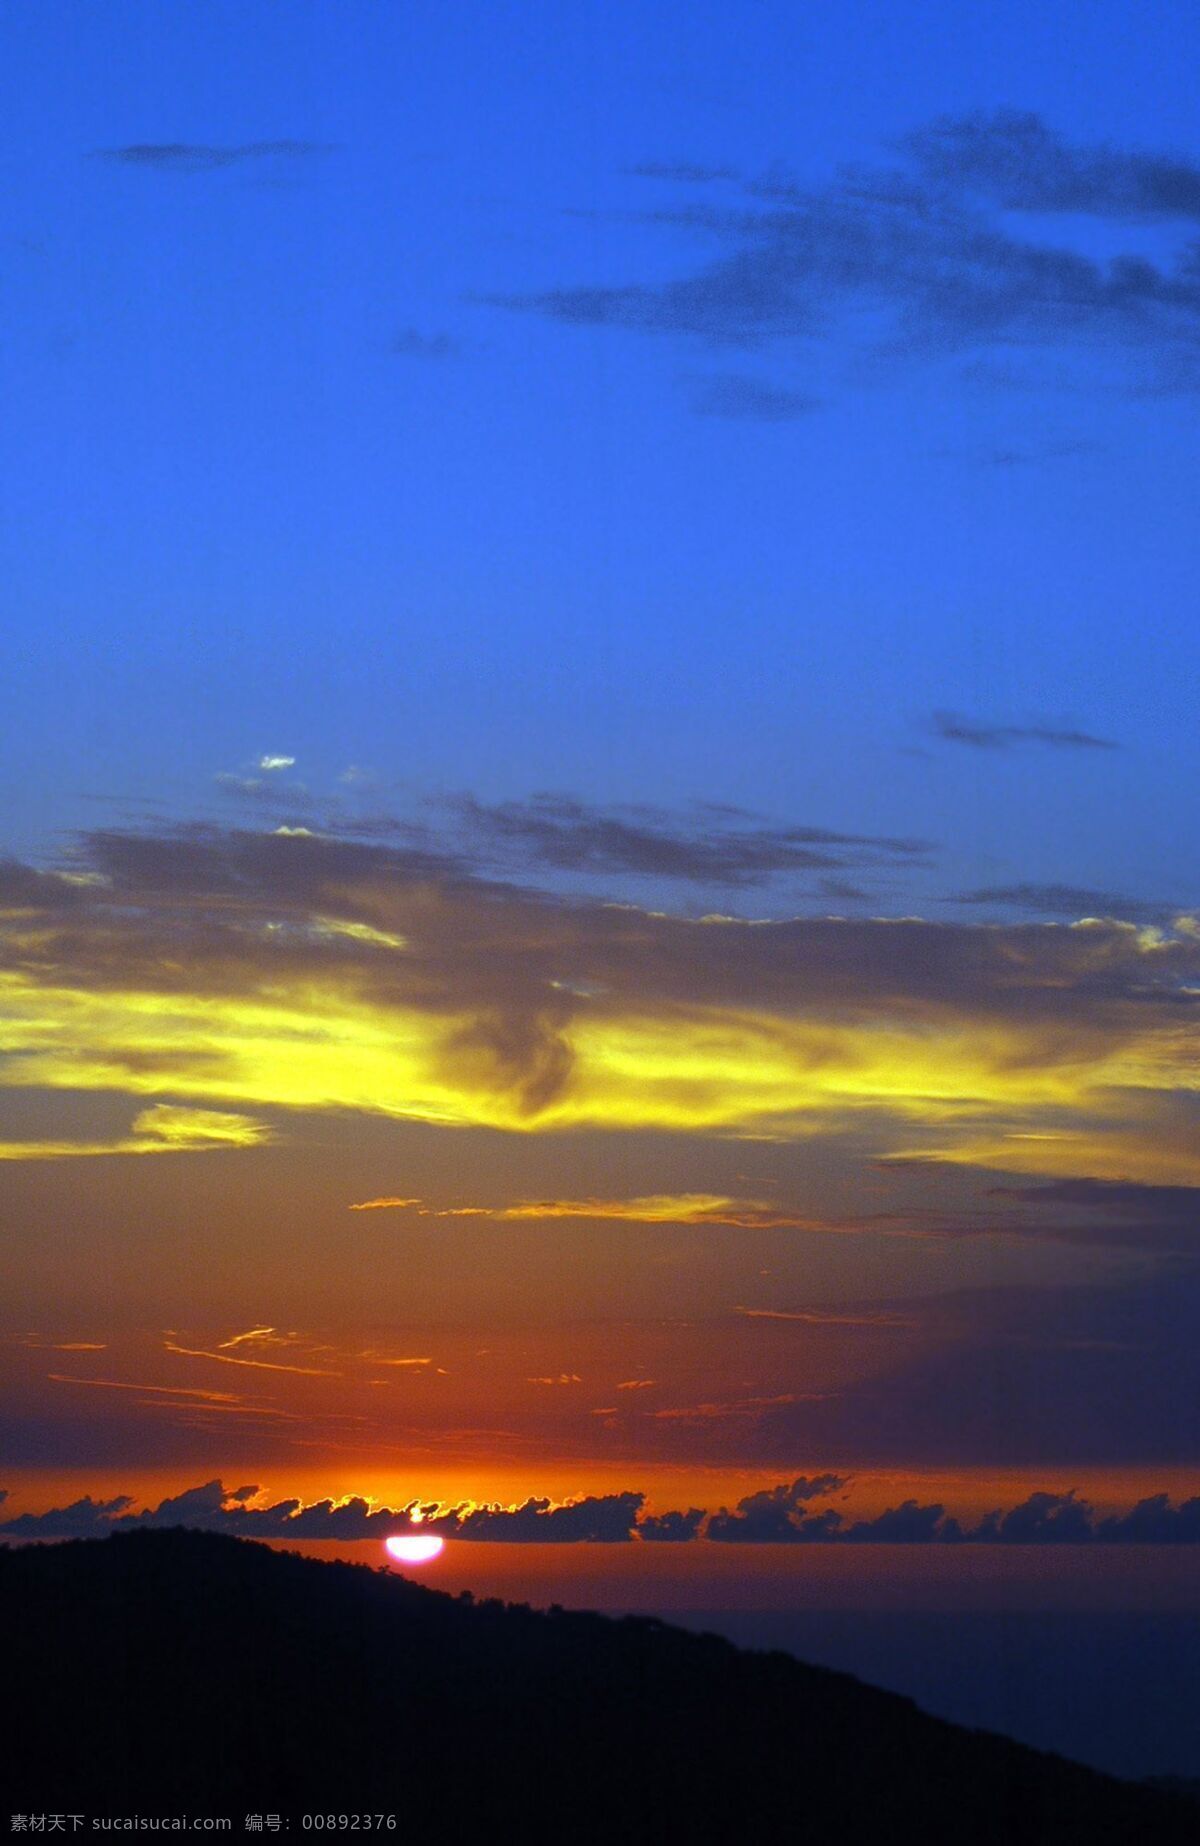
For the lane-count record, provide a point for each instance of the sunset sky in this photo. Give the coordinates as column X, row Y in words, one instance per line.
column 598, row 892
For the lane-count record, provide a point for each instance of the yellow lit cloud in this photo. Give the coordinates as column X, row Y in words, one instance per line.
column 257, row 1365
column 718, row 1072
column 390, row 1203
column 156, row 1390
column 255, row 971
column 654, row 1208
column 815, row 1318
column 162, row 1129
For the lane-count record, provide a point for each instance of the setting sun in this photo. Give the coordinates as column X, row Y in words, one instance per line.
column 414, row 1547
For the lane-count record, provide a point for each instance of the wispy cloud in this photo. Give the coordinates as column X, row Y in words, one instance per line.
column 164, row 1128
column 208, row 157
column 816, row 1317
column 653, row 1208
column 713, row 846
column 1053, row 900
column 258, row 1365
column 1164, row 1220
column 38, row 1345
column 1012, row 157
column 388, row 1203
column 707, row 844
column 940, row 248
column 252, row 1333
column 738, row 1410
column 148, row 1390
column 952, row 728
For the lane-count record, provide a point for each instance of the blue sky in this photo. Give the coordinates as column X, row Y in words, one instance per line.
column 533, row 538
column 300, row 463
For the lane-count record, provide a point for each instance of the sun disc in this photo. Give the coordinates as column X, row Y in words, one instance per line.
column 414, row 1547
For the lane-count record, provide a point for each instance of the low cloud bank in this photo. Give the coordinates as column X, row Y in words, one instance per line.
column 788, row 1514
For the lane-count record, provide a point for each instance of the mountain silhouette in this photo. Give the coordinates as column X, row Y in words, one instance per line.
column 189, row 1672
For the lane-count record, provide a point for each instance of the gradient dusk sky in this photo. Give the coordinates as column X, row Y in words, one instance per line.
column 600, row 745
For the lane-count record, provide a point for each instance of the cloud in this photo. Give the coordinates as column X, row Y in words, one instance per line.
column 654, row 1208
column 721, row 1210
column 276, row 762
column 207, row 157
column 952, row 729
column 593, row 1519
column 738, row 1410
column 1115, row 1213
column 266, row 789
column 64, row 1345
column 782, row 1515
column 258, row 1365
column 710, row 845
column 412, row 344
column 935, row 251
column 211, row 972
column 86, row 1518
column 596, row 1519
column 1018, row 1377
column 1068, row 901
column 1153, row 1521
column 1121, row 1196
column 164, row 1128
column 26, row 891
column 561, row 833
column 1044, row 1518
column 816, row 1317
column 779, row 1515
column 1012, row 157
column 387, row 1203
column 733, row 394
column 683, row 172
column 152, row 1390
column 671, row 1528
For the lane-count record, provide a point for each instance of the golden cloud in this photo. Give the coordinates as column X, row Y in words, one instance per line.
column 311, row 974
column 162, row 1129
column 652, row 1208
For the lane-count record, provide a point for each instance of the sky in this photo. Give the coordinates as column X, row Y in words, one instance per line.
column 598, row 909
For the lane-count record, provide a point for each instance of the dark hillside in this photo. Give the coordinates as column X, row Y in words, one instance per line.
column 185, row 1672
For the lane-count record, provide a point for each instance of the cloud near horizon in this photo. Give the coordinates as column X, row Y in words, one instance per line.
column 780, row 1515
column 227, row 969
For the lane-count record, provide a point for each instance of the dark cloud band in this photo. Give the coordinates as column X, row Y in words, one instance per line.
column 781, row 1515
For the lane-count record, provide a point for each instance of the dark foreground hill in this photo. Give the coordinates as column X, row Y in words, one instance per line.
column 184, row 1672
